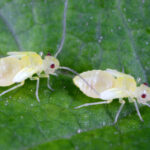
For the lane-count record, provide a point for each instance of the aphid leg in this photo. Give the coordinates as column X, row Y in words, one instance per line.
column 146, row 104
column 37, row 87
column 96, row 103
column 13, row 88
column 120, row 109
column 138, row 80
column 55, row 74
column 137, row 109
column 41, row 54
column 48, row 84
column 48, row 80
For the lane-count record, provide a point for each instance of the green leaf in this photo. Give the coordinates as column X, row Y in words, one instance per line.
column 100, row 34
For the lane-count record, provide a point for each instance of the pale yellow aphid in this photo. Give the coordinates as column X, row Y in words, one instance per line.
column 111, row 84
column 18, row 66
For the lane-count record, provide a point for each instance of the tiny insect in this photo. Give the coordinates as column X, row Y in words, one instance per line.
column 111, row 84
column 18, row 66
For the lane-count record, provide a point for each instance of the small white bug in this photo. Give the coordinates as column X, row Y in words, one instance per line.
column 111, row 84
column 18, row 66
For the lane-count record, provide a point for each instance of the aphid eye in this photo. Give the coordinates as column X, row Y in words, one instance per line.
column 52, row 66
column 48, row 54
column 145, row 83
column 143, row 95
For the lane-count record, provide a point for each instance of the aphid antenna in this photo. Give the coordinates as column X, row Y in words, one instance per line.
column 64, row 29
column 73, row 71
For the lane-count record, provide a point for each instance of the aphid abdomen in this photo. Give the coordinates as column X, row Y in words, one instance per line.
column 99, row 80
column 125, row 83
column 32, row 65
column 9, row 67
column 33, row 60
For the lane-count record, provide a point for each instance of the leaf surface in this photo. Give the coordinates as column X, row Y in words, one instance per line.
column 100, row 34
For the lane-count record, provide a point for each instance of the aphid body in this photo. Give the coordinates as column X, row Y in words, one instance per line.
column 111, row 84
column 18, row 66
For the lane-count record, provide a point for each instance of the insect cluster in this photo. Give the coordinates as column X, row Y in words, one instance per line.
column 106, row 85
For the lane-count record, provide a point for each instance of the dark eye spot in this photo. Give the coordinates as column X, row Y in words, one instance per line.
column 143, row 95
column 52, row 66
column 48, row 54
column 145, row 83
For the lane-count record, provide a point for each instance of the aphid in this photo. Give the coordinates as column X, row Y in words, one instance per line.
column 111, row 84
column 18, row 66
